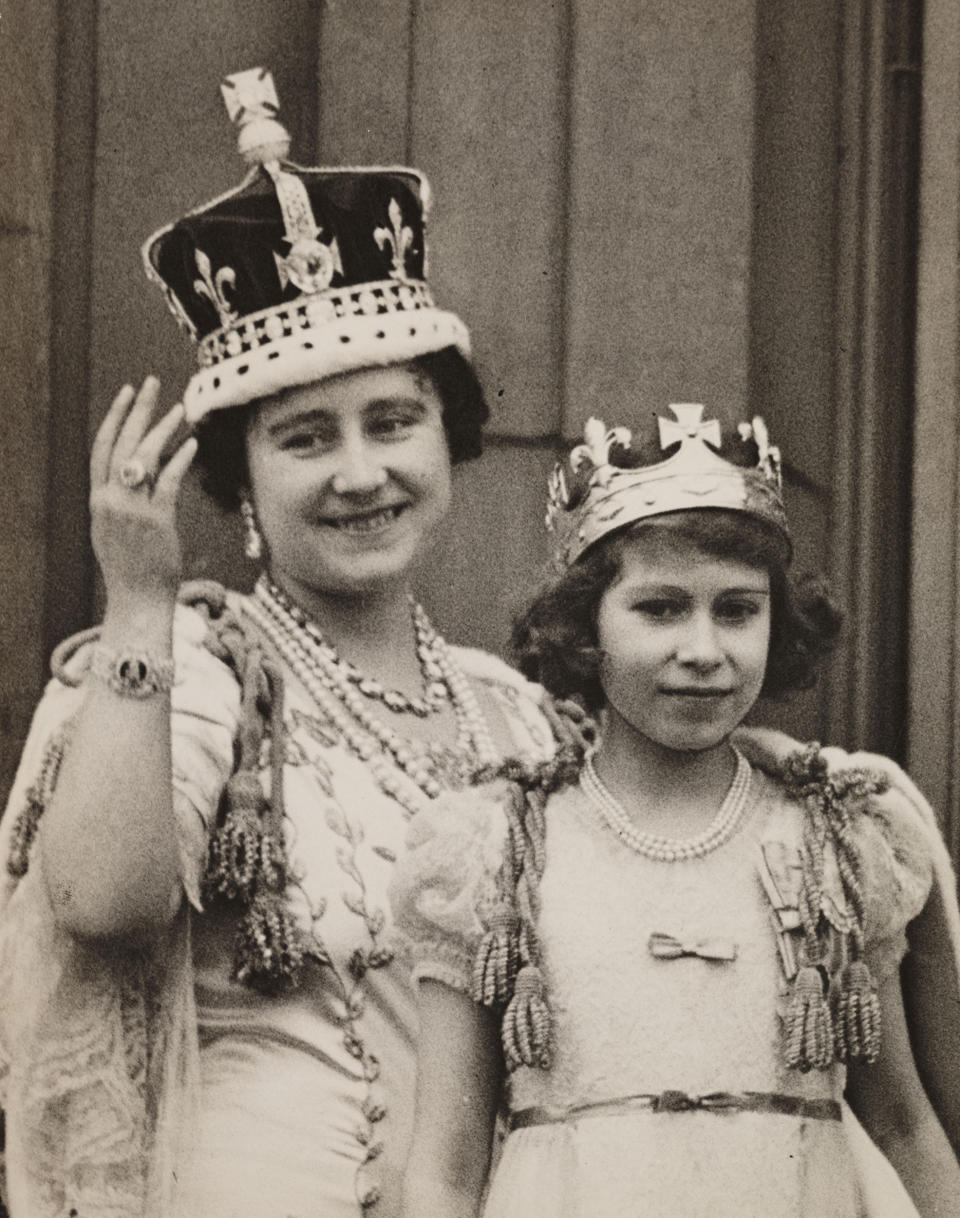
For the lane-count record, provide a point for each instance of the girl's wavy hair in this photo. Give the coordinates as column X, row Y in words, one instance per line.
column 222, row 455
column 554, row 639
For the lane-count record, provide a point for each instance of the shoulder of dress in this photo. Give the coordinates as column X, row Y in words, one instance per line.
column 211, row 616
column 889, row 824
column 492, row 670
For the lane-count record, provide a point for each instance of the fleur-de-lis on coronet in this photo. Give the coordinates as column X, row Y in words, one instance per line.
column 598, row 440
column 400, row 240
column 213, row 287
column 769, row 454
column 689, row 426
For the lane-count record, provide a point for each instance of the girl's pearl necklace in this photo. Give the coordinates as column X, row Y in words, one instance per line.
column 670, row 849
column 400, row 771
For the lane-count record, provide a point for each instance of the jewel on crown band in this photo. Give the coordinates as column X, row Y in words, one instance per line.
column 257, row 330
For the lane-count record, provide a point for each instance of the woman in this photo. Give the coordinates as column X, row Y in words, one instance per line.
column 251, row 760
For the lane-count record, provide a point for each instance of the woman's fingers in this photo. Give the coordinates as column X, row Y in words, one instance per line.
column 168, row 483
column 106, row 436
column 135, row 424
column 151, row 450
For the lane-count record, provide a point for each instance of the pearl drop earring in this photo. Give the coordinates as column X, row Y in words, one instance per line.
column 252, row 538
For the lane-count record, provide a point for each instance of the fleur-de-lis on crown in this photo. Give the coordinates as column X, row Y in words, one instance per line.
column 400, row 240
column 213, row 287
column 768, row 454
column 688, row 427
column 598, row 440
column 558, row 495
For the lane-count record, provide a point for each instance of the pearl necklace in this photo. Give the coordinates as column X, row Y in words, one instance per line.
column 669, row 849
column 400, row 770
column 435, row 688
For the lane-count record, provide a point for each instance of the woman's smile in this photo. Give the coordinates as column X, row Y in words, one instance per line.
column 373, row 520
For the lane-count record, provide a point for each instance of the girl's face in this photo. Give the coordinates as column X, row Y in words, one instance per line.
column 349, row 477
column 684, row 639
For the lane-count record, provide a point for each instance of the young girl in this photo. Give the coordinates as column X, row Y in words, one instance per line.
column 678, row 960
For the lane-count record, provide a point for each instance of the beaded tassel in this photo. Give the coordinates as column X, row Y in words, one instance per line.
column 268, row 952
column 815, row 1036
column 527, row 1024
column 247, row 860
column 809, row 1026
column 495, row 966
column 236, row 847
column 857, row 1015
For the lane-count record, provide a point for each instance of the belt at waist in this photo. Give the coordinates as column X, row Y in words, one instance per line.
column 679, row 1101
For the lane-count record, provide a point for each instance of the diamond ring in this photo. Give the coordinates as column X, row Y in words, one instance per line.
column 133, row 474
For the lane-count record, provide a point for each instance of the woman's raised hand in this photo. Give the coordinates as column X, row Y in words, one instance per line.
column 136, row 470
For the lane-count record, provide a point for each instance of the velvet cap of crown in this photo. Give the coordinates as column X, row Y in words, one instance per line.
column 297, row 274
column 613, row 478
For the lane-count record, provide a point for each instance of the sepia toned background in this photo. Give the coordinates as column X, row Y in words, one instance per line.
column 752, row 203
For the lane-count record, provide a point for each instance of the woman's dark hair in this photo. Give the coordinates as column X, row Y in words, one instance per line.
column 555, row 638
column 221, row 446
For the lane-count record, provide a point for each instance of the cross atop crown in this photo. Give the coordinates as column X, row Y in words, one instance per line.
column 689, row 428
column 249, row 95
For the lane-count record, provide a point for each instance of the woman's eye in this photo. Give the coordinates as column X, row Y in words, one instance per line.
column 388, row 426
column 660, row 610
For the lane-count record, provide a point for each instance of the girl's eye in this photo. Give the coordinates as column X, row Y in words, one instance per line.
column 737, row 611
column 301, row 441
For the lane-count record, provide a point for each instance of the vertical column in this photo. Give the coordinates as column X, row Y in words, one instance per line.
column 28, row 66
column 792, row 369
column 364, row 82
column 870, row 521
column 658, row 248
column 934, row 692
column 488, row 125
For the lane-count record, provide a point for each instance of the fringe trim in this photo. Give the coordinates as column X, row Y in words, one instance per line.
column 831, row 1018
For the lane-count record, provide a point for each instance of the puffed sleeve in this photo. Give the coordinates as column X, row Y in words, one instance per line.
column 899, row 841
column 205, row 717
column 897, row 854
column 445, row 884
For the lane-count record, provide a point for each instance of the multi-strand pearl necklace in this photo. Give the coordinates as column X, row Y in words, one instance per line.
column 670, row 849
column 402, row 770
column 428, row 656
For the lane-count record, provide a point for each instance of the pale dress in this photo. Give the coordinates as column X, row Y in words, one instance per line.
column 301, row 1106
column 627, row 1023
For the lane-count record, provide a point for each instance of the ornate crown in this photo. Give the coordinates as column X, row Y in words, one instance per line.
column 593, row 494
column 297, row 274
